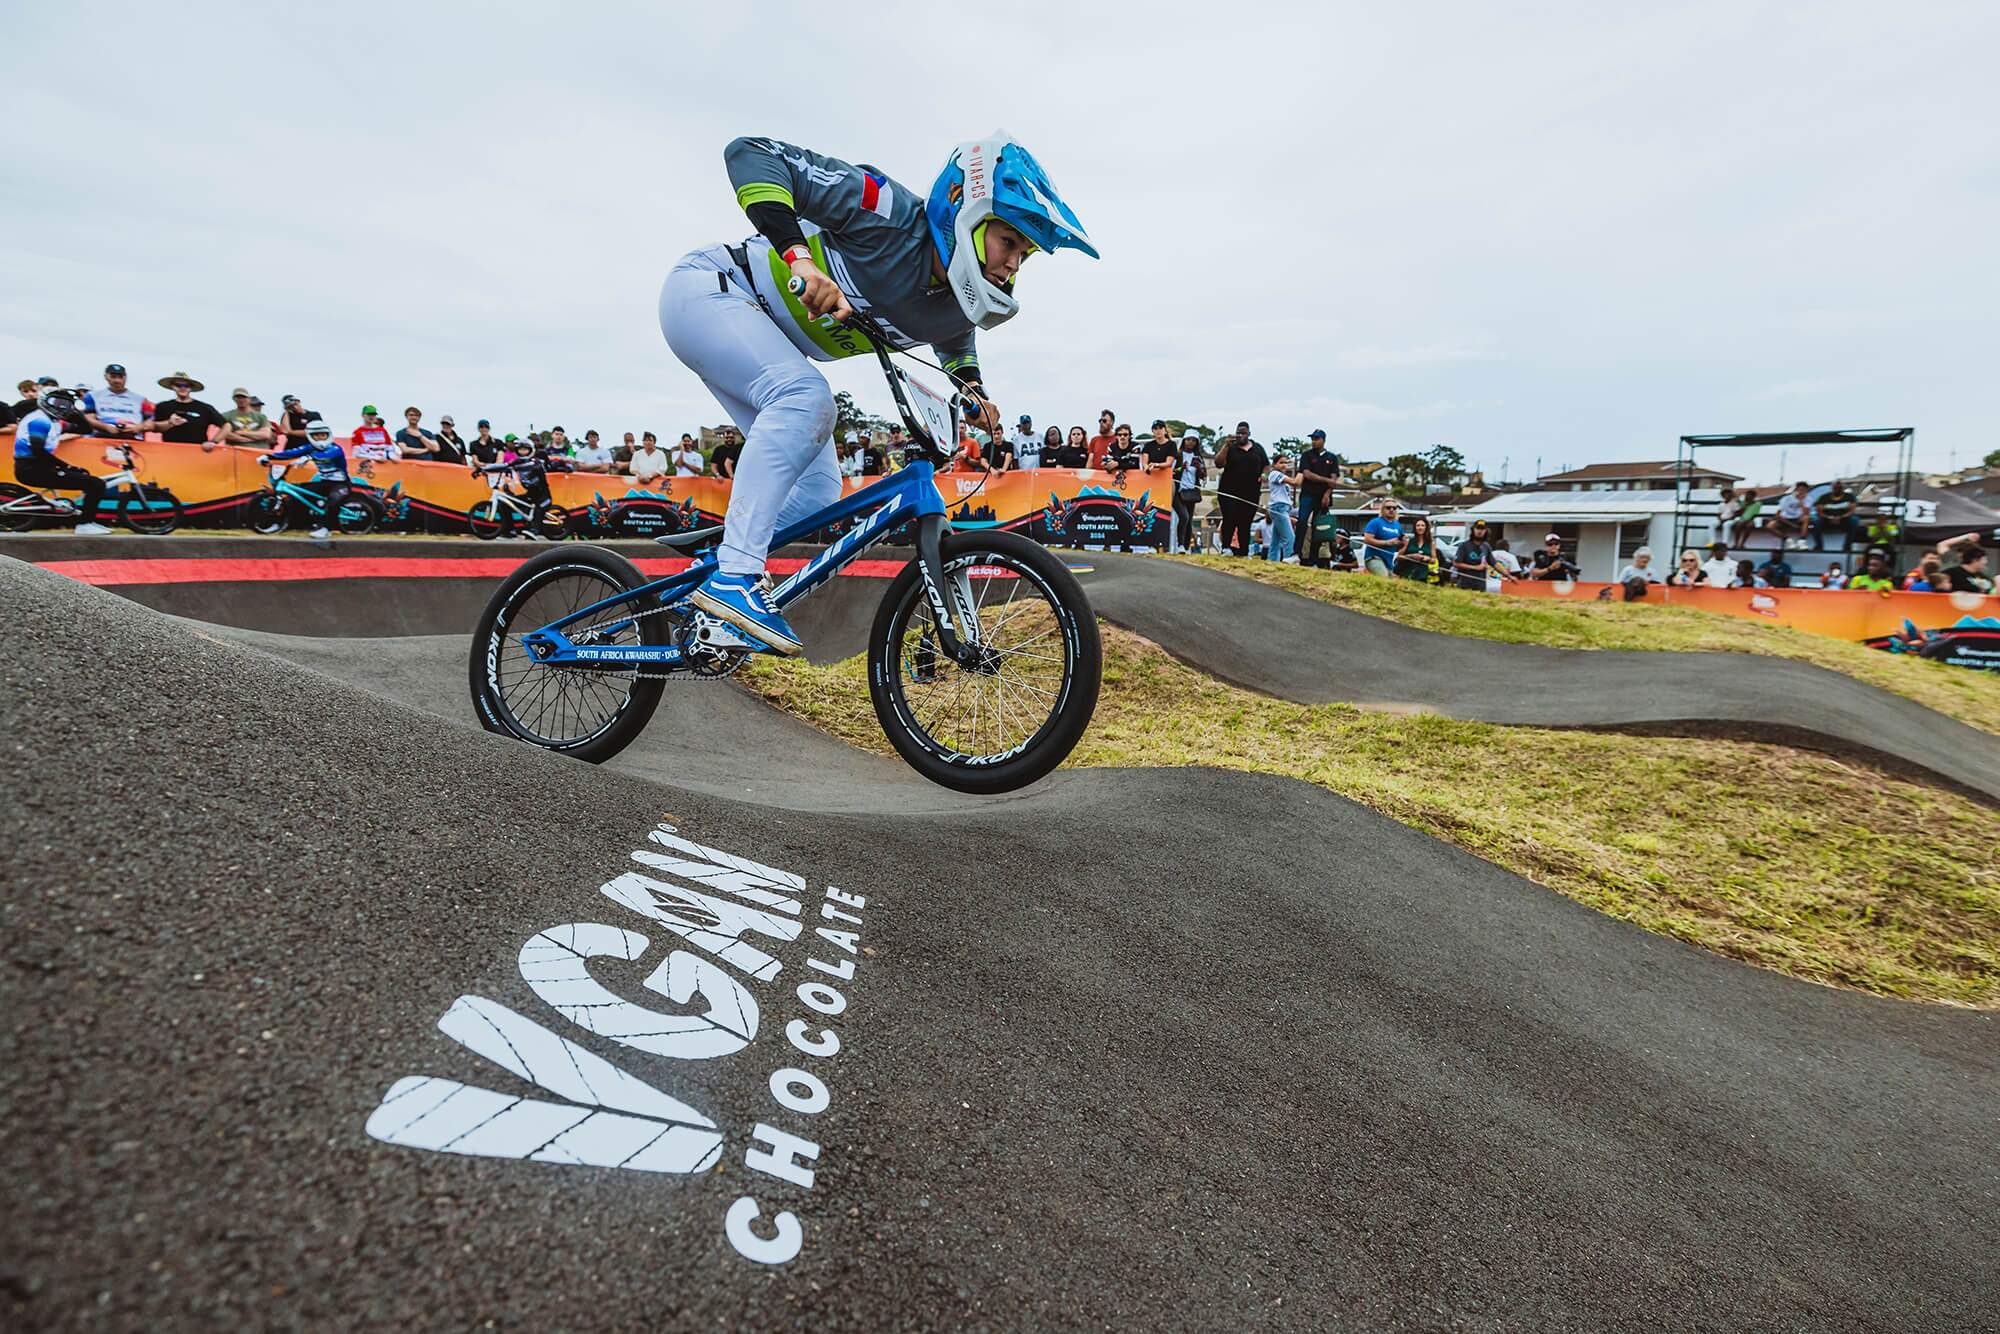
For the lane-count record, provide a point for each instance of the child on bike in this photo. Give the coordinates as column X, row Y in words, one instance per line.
column 531, row 468
column 330, row 477
column 36, row 436
column 927, row 269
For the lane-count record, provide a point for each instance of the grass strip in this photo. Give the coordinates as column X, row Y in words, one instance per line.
column 1969, row 696
column 1788, row 859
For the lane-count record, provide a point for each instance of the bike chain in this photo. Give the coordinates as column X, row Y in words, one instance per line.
column 726, row 671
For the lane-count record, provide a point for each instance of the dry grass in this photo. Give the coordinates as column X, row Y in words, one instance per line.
column 1791, row 860
column 1969, row 696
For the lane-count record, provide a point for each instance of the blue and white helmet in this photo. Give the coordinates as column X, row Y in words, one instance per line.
column 992, row 178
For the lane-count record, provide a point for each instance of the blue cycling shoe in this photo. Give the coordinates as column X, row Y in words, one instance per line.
column 741, row 600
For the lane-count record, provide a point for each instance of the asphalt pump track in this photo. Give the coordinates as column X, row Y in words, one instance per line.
column 327, row 1009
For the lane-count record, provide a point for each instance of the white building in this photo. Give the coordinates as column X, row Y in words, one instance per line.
column 1600, row 529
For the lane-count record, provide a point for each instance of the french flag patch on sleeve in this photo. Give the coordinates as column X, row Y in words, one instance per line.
column 877, row 195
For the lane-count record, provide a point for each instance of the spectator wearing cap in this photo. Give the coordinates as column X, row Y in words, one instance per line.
column 413, row 440
column 1319, row 471
column 1190, row 470
column 1472, row 562
column 1383, row 537
column 116, row 409
column 483, row 448
column 371, row 439
column 449, row 445
column 591, row 455
column 1026, row 443
column 1159, row 453
column 1718, row 570
column 1877, row 574
column 245, row 424
column 1549, row 562
column 651, row 461
column 293, row 419
column 1241, row 464
column 1342, row 555
column 185, row 419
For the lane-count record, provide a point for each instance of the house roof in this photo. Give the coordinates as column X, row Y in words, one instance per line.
column 1572, row 506
column 1663, row 472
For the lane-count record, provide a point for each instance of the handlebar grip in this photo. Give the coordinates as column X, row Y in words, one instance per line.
column 795, row 285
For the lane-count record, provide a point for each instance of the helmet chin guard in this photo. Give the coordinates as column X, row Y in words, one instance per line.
column 984, row 303
column 990, row 178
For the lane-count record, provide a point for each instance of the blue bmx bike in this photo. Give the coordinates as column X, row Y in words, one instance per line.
column 983, row 659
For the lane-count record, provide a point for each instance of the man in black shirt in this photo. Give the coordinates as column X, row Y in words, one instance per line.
column 1240, row 484
column 724, row 456
column 184, row 419
column 483, row 448
column 1319, row 469
column 448, row 443
column 1474, row 557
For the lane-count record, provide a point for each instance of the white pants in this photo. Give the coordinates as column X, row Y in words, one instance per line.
column 769, row 388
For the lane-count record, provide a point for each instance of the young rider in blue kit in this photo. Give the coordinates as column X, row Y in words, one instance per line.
column 36, row 436
column 330, row 477
column 930, row 270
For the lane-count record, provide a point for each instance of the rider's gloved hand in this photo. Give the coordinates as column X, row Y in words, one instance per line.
column 822, row 295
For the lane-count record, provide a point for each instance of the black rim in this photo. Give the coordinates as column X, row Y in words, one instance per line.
column 987, row 717
column 559, row 707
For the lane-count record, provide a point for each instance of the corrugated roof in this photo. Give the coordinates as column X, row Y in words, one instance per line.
column 1662, row 471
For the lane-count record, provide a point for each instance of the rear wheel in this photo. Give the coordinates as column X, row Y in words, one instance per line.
column 588, row 713
column 359, row 513
column 1020, row 712
column 12, row 519
column 154, row 513
column 265, row 513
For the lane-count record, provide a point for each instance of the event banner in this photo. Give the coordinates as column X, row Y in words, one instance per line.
column 1962, row 629
column 1089, row 508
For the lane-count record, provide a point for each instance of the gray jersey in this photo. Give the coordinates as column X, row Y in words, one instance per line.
column 867, row 233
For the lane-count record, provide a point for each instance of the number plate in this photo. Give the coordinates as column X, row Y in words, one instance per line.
column 933, row 412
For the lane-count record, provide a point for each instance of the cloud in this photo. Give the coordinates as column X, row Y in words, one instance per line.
column 1795, row 389
column 1447, row 352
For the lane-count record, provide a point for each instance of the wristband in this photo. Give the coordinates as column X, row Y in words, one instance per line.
column 793, row 254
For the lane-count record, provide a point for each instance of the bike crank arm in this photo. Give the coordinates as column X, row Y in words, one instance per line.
column 551, row 648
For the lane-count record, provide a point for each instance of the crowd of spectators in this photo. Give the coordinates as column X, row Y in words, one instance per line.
column 1269, row 503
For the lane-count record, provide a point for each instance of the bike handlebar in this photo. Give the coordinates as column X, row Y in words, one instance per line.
column 940, row 451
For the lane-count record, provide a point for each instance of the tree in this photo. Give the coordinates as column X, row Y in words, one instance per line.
column 1992, row 460
column 1206, row 434
column 1406, row 473
column 1441, row 464
column 848, row 419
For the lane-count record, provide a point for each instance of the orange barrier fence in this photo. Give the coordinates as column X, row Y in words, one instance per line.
column 1960, row 628
column 1081, row 507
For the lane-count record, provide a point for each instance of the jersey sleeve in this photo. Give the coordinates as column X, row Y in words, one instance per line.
column 823, row 190
column 960, row 358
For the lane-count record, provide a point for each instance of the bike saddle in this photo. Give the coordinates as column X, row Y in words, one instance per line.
column 694, row 539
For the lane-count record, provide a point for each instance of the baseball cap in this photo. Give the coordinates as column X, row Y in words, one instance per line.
column 1191, row 435
column 368, row 410
column 1553, row 537
column 1026, row 420
column 256, row 402
column 446, row 421
column 239, row 392
column 1159, row 421
column 1317, row 434
column 48, row 382
column 483, row 422
column 114, row 369
column 290, row 400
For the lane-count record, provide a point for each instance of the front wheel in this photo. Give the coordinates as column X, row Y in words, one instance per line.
column 265, row 513
column 155, row 513
column 486, row 520
column 589, row 713
column 1019, row 712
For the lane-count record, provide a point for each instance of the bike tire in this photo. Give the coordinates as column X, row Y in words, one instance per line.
column 1072, row 693
column 265, row 513
column 15, row 521
column 360, row 514
column 155, row 516
column 489, row 664
column 485, row 524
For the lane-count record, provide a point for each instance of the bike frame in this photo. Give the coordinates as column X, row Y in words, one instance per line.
column 907, row 496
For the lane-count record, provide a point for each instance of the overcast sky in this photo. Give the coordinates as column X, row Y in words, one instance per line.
column 1560, row 233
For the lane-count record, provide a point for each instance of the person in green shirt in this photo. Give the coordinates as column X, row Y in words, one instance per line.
column 245, row 424
column 1877, row 576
